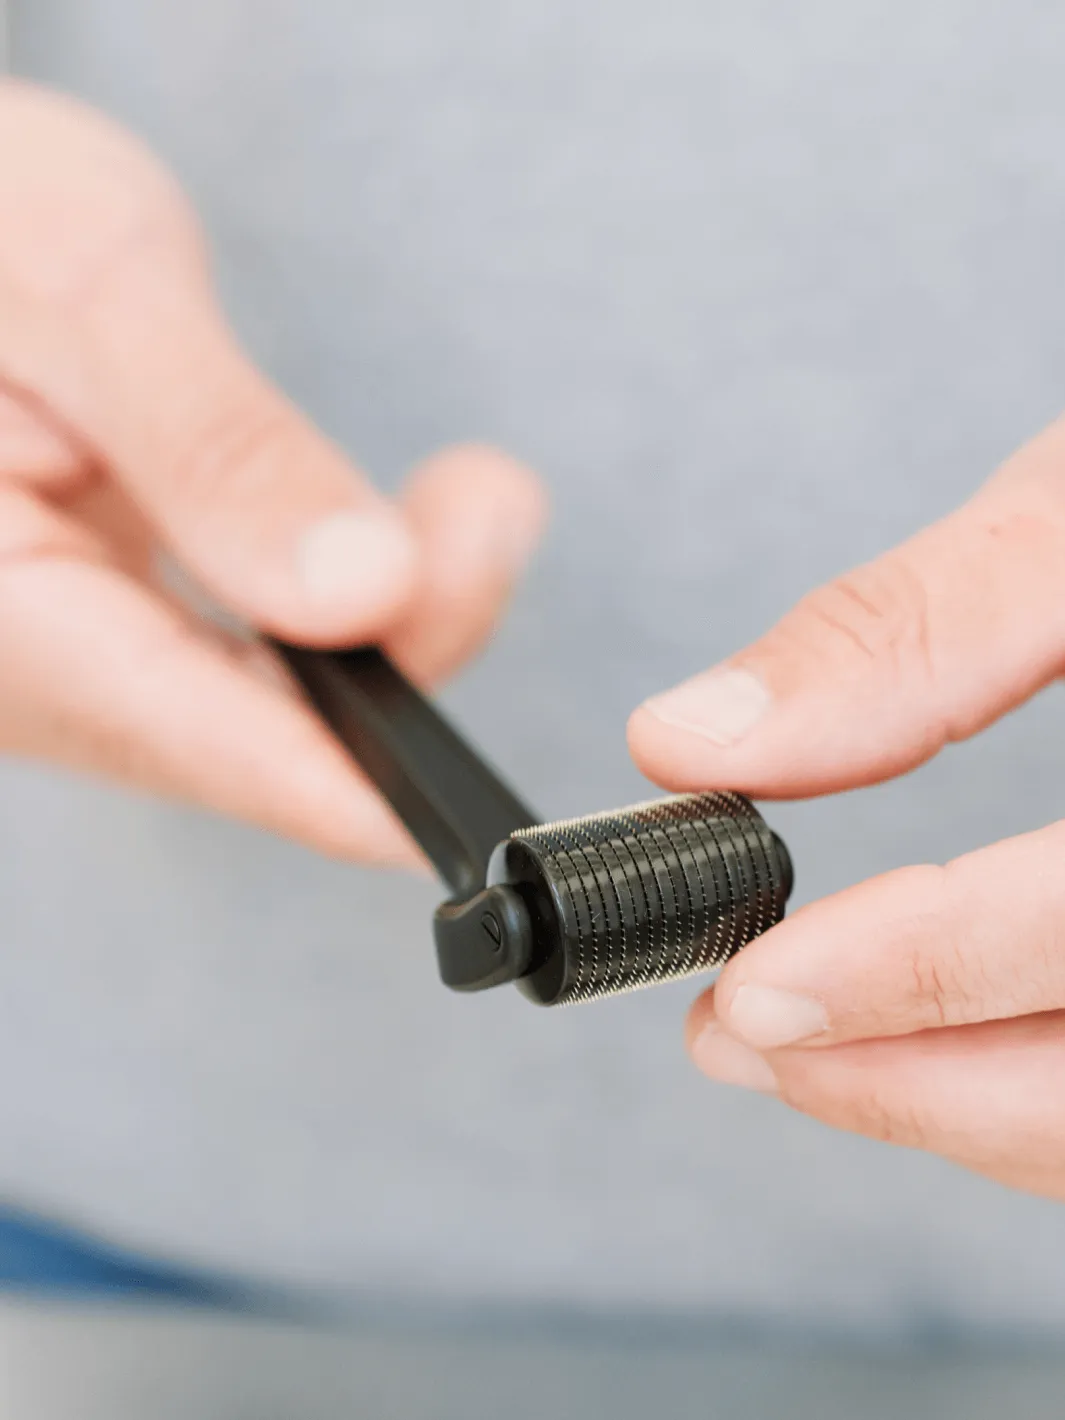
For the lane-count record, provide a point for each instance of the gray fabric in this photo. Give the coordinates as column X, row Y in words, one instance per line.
column 761, row 288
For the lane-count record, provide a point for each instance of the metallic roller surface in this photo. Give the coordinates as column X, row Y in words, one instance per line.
column 640, row 895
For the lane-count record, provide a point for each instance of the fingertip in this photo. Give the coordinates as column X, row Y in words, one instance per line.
column 486, row 488
column 693, row 726
column 675, row 760
column 519, row 489
column 382, row 842
column 479, row 515
column 641, row 737
column 477, row 462
column 701, row 1013
column 802, row 748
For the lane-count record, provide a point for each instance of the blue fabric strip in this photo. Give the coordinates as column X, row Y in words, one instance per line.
column 39, row 1255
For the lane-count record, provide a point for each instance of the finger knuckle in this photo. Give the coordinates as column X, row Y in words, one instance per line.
column 943, row 978
column 932, row 996
column 883, row 1114
column 235, row 450
column 879, row 611
column 864, row 1090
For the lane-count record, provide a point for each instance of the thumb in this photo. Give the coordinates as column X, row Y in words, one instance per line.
column 263, row 509
column 110, row 323
column 874, row 673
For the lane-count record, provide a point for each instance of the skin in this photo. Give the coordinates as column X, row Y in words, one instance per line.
column 946, row 1030
column 134, row 433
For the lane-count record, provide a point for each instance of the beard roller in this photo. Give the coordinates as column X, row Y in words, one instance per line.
column 569, row 911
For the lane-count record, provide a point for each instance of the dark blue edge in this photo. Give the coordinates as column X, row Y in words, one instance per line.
column 45, row 1256
column 49, row 1259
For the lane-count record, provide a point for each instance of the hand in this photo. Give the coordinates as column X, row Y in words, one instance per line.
column 131, row 424
column 925, row 1007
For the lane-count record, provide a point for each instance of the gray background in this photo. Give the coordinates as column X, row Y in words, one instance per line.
column 760, row 288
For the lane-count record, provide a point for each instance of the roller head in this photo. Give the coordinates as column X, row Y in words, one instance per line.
column 650, row 893
column 570, row 911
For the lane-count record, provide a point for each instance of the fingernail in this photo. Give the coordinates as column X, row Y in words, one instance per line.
column 721, row 705
column 355, row 557
column 731, row 1062
column 767, row 1018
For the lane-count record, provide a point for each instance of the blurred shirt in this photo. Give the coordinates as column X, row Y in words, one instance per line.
column 760, row 289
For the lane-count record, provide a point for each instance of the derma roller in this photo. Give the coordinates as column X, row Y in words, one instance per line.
column 570, row 911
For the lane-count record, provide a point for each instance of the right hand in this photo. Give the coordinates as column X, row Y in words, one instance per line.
column 926, row 1006
column 130, row 425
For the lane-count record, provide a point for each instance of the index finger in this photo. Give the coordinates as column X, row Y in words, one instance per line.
column 980, row 939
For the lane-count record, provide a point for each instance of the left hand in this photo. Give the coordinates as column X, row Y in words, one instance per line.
column 136, row 436
column 925, row 1007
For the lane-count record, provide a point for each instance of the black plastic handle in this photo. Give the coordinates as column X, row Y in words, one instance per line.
column 452, row 803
